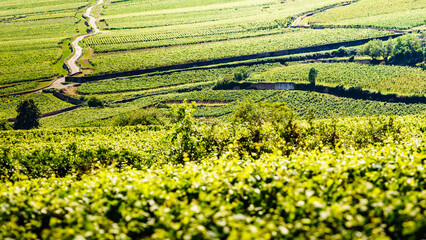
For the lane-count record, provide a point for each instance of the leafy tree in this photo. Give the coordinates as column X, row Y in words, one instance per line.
column 185, row 135
column 226, row 83
column 312, row 76
column 388, row 48
column 258, row 116
column 28, row 115
column 373, row 48
column 408, row 50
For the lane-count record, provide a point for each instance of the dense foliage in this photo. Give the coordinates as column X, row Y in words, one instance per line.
column 408, row 51
column 405, row 50
column 259, row 128
column 353, row 178
column 351, row 194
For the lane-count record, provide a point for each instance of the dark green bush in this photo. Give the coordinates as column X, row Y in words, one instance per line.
column 95, row 102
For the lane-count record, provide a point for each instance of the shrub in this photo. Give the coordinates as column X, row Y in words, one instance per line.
column 373, row 48
column 49, row 90
column 95, row 102
column 341, row 52
column 225, row 84
column 240, row 75
column 270, row 125
column 185, row 136
column 83, row 98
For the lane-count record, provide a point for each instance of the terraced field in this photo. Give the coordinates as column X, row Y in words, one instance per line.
column 145, row 82
column 132, row 23
column 202, row 31
column 117, row 62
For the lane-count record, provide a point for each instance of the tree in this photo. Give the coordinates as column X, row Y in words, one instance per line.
column 312, row 76
column 408, row 50
column 373, row 48
column 388, row 48
column 258, row 115
column 240, row 75
column 28, row 115
column 185, row 136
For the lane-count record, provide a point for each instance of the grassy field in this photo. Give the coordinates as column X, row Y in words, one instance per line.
column 398, row 14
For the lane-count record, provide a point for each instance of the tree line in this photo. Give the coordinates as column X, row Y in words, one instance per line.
column 404, row 50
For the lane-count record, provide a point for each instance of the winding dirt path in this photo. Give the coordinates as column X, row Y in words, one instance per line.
column 78, row 51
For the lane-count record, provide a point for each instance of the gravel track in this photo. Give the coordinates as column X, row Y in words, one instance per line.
column 78, row 51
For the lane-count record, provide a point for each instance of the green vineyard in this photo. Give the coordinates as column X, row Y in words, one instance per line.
column 374, row 191
column 213, row 119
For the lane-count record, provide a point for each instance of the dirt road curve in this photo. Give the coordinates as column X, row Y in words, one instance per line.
column 59, row 83
column 72, row 62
